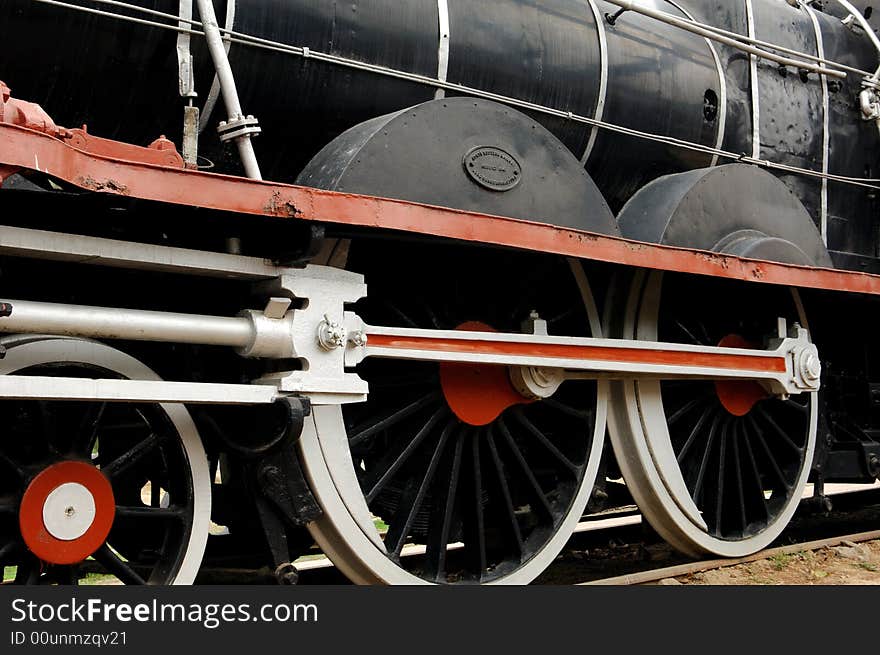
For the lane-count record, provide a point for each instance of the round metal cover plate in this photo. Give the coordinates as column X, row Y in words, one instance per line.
column 493, row 168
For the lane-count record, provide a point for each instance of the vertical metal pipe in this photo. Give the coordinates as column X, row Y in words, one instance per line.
column 599, row 112
column 444, row 46
column 826, row 134
column 227, row 86
column 755, row 90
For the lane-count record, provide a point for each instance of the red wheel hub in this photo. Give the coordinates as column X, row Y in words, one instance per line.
column 66, row 512
column 738, row 396
column 478, row 393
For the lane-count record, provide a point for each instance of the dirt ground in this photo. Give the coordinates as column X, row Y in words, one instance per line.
column 846, row 564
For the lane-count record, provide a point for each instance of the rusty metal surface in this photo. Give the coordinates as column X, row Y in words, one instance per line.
column 30, row 150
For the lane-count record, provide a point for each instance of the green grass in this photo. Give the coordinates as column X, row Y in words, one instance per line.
column 89, row 579
column 780, row 561
column 97, row 579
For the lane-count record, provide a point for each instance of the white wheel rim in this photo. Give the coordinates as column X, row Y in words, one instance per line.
column 24, row 351
column 346, row 533
column 657, row 486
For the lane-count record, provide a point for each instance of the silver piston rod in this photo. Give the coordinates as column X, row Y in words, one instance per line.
column 128, row 324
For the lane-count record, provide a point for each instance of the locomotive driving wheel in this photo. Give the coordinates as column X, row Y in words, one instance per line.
column 716, row 467
column 93, row 487
column 448, row 474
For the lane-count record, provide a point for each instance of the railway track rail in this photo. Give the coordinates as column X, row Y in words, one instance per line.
column 619, row 542
column 655, row 575
column 632, row 554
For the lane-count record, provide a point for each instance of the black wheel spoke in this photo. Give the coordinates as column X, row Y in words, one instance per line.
column 585, row 414
column 561, row 316
column 49, row 427
column 116, row 566
column 68, row 575
column 438, row 537
column 28, row 572
column 131, row 457
column 758, row 490
column 720, row 488
column 88, row 430
column 390, row 468
column 362, row 433
column 403, row 531
column 8, row 505
column 774, row 465
column 704, row 463
column 737, row 468
column 526, row 469
column 684, row 409
column 432, row 317
column 534, row 431
column 397, row 312
column 690, row 335
column 12, row 466
column 7, row 549
column 695, row 432
column 505, row 492
column 155, row 492
column 145, row 512
column 778, row 430
column 791, row 403
column 479, row 518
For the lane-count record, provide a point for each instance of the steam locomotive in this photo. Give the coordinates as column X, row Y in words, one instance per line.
column 433, row 450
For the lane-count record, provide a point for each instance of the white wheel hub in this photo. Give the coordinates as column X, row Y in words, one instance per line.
column 69, row 511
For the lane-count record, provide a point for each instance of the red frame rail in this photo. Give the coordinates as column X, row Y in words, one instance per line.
column 30, row 141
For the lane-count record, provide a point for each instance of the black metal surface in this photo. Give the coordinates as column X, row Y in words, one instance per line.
column 735, row 209
column 253, row 431
column 546, row 53
column 122, row 80
column 474, row 154
column 853, row 145
column 657, row 81
column 261, row 440
column 784, row 94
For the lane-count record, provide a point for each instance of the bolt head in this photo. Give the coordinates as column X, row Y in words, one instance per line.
column 812, row 367
column 331, row 335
